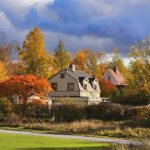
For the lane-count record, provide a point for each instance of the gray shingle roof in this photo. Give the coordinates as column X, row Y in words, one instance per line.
column 77, row 74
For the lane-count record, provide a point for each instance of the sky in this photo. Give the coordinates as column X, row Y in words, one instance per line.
column 95, row 24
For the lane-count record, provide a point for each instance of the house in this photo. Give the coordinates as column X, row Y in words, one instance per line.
column 75, row 87
column 114, row 76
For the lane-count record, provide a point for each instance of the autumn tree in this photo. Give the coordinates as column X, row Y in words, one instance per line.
column 24, row 87
column 62, row 58
column 91, row 61
column 108, row 89
column 8, row 51
column 3, row 71
column 36, row 59
column 140, row 64
column 102, row 65
column 118, row 62
column 80, row 60
column 18, row 68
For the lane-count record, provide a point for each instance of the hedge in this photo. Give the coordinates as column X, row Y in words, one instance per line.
column 68, row 113
column 105, row 112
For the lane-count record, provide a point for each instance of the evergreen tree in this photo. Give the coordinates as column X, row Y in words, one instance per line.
column 62, row 57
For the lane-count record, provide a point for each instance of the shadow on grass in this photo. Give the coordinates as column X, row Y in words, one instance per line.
column 63, row 148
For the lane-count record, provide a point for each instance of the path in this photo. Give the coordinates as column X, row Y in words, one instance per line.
column 94, row 139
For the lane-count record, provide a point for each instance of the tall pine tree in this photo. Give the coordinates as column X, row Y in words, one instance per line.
column 62, row 58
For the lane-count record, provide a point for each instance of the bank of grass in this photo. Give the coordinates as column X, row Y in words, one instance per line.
column 125, row 129
column 26, row 142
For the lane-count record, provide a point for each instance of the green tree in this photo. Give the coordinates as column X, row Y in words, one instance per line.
column 36, row 59
column 62, row 58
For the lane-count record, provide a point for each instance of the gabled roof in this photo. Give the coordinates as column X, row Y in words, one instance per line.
column 77, row 74
column 118, row 76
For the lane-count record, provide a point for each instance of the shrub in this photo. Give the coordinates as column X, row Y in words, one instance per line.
column 38, row 111
column 12, row 120
column 138, row 113
column 67, row 113
column 20, row 110
column 132, row 97
column 5, row 108
column 105, row 112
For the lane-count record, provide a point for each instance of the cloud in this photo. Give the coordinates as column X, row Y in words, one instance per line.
column 73, row 43
column 123, row 22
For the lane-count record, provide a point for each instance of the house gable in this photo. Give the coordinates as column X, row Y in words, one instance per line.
column 115, row 77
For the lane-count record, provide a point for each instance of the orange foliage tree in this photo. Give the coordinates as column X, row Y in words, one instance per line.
column 24, row 86
column 108, row 89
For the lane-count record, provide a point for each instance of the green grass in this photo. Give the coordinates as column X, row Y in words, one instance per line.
column 26, row 142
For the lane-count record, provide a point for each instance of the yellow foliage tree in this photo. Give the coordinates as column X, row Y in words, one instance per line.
column 140, row 65
column 80, row 60
column 3, row 72
column 37, row 60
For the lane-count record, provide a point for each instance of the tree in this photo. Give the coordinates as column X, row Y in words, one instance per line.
column 140, row 65
column 18, row 68
column 118, row 62
column 80, row 60
column 102, row 65
column 91, row 62
column 36, row 59
column 3, row 72
column 8, row 50
column 24, row 87
column 108, row 89
column 62, row 58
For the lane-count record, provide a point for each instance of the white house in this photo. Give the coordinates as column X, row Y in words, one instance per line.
column 114, row 76
column 74, row 86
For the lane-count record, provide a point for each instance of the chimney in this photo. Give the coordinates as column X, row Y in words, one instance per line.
column 115, row 69
column 72, row 67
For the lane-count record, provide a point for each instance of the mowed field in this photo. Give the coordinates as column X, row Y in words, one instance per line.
column 26, row 142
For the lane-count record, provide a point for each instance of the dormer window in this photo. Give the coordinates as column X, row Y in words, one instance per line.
column 85, row 86
column 62, row 75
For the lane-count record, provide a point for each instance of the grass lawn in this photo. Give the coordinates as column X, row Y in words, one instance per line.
column 26, row 142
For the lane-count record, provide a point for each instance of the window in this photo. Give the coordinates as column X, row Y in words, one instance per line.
column 71, row 86
column 62, row 75
column 54, row 86
column 109, row 78
column 95, row 87
column 85, row 86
